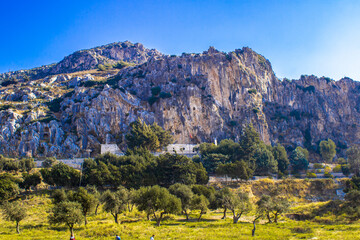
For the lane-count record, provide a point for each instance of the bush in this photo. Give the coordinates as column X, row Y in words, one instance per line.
column 155, row 90
column 311, row 175
column 55, row 104
column 337, row 169
column 152, row 100
column 89, row 83
column 7, row 83
column 6, row 107
column 328, row 175
column 252, row 91
column 165, row 95
column 318, row 166
column 122, row 64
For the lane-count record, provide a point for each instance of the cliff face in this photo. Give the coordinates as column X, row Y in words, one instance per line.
column 198, row 97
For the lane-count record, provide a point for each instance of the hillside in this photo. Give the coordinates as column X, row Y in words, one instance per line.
column 198, row 97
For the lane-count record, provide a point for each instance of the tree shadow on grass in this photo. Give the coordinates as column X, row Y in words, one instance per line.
column 130, row 221
column 30, row 226
column 194, row 220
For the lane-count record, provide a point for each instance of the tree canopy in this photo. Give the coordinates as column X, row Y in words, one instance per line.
column 158, row 201
column 152, row 137
column 14, row 212
column 327, row 150
column 68, row 213
column 353, row 155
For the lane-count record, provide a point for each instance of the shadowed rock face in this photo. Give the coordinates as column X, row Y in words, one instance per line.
column 198, row 97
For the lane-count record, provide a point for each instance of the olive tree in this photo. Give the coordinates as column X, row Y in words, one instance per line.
column 279, row 206
column 200, row 202
column 222, row 198
column 115, row 202
column 238, row 204
column 184, row 193
column 68, row 213
column 86, row 200
column 14, row 212
column 157, row 201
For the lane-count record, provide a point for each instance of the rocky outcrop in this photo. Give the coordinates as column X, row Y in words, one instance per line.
column 198, row 97
column 88, row 59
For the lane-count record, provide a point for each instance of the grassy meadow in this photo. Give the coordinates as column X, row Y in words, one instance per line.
column 135, row 226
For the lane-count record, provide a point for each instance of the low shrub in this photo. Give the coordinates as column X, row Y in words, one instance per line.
column 155, row 90
column 165, row 95
column 252, row 91
column 318, row 166
column 152, row 100
column 311, row 175
column 337, row 169
column 328, row 175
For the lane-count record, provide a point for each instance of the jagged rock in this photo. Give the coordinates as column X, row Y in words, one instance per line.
column 88, row 77
column 28, row 97
column 74, row 82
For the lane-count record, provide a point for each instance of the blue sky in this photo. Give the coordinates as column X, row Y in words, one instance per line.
column 298, row 37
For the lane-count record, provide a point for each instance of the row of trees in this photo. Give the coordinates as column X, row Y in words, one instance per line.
column 73, row 207
column 10, row 164
column 133, row 170
column 243, row 159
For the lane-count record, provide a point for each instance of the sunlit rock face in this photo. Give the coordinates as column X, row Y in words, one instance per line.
column 198, row 97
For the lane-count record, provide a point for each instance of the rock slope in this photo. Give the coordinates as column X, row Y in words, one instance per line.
column 198, row 97
column 88, row 59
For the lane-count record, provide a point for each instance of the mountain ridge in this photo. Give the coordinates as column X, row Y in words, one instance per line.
column 198, row 97
column 87, row 59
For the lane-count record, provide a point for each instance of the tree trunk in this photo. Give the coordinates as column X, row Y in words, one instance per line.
column 187, row 215
column 224, row 216
column 86, row 222
column 17, row 228
column 200, row 216
column 96, row 209
column 71, row 231
column 237, row 217
column 158, row 220
column 268, row 217
column 115, row 217
column 254, row 222
column 276, row 217
column 253, row 231
column 148, row 216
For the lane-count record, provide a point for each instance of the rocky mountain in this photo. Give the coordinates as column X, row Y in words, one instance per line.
column 198, row 97
column 88, row 59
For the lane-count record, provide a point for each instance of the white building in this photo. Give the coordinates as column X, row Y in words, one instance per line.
column 185, row 149
column 111, row 148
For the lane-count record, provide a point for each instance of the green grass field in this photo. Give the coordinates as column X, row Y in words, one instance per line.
column 135, row 226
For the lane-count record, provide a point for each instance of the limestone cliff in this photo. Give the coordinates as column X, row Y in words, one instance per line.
column 198, row 97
